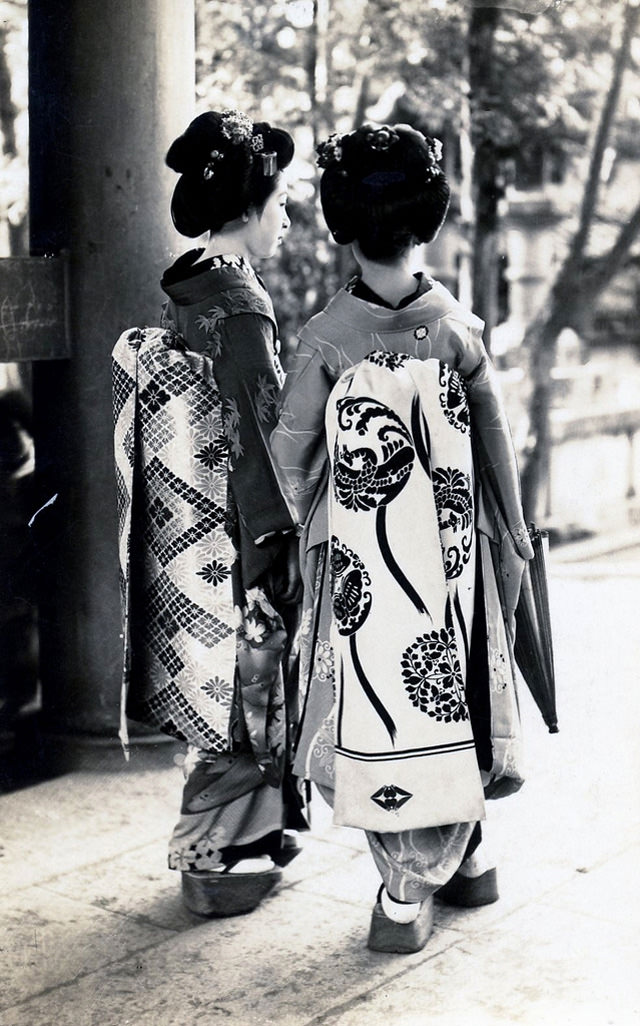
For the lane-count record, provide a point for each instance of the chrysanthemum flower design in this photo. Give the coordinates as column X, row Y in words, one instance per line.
column 433, row 677
column 214, row 573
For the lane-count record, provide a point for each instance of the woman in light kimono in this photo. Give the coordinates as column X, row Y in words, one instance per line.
column 208, row 553
column 397, row 458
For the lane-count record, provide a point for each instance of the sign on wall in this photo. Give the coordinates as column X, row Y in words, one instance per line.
column 33, row 321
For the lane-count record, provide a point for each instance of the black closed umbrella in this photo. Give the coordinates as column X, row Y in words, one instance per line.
column 534, row 642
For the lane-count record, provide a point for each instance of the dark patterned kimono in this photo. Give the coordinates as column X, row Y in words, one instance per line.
column 390, row 430
column 204, row 535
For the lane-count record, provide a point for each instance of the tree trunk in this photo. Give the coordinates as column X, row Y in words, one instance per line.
column 541, row 341
column 486, row 186
column 318, row 71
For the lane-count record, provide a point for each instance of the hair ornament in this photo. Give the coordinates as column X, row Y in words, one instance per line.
column 330, row 151
column 269, row 164
column 210, row 167
column 269, row 159
column 434, row 148
column 381, row 139
column 236, row 126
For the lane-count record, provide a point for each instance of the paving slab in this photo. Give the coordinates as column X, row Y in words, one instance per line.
column 541, row 967
column 295, row 958
column 49, row 940
column 82, row 818
column 608, row 892
column 136, row 884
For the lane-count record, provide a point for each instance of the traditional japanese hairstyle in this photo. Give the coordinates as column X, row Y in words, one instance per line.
column 383, row 188
column 227, row 165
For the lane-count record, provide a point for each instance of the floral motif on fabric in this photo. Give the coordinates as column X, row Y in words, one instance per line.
column 215, row 545
column 218, row 689
column 433, row 677
column 323, row 751
column 258, row 619
column 214, row 573
column 324, row 662
column 209, row 324
column 350, row 581
column 454, row 503
column 158, row 513
column 266, row 399
column 205, row 854
column 231, row 260
column 213, row 453
column 392, row 361
column 453, row 398
column 231, row 424
column 373, row 454
column 154, row 397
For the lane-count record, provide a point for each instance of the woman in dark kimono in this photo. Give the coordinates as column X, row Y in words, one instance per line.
column 395, row 451
column 207, row 544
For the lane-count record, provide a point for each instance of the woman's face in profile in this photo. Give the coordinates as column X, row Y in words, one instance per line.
column 266, row 228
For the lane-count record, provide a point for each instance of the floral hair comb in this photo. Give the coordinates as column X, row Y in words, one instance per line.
column 330, row 151
column 236, row 126
column 381, row 139
column 434, row 147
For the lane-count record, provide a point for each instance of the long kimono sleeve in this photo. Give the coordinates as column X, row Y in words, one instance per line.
column 493, row 443
column 249, row 377
column 298, row 442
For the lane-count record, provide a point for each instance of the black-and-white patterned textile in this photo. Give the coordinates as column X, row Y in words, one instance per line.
column 176, row 556
column 402, row 575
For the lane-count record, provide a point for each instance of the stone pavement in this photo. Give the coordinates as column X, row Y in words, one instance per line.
column 94, row 932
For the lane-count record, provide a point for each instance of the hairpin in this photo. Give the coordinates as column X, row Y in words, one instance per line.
column 269, row 163
column 210, row 167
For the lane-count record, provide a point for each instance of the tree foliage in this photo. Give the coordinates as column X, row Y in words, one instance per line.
column 535, row 95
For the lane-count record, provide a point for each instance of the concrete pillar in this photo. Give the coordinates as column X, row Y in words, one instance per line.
column 112, row 84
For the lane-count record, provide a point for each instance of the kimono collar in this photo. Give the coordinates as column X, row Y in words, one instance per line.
column 227, row 280
column 432, row 302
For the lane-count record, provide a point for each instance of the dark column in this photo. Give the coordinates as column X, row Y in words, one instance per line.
column 111, row 84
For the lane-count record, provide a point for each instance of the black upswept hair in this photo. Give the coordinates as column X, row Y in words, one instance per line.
column 384, row 189
column 224, row 169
